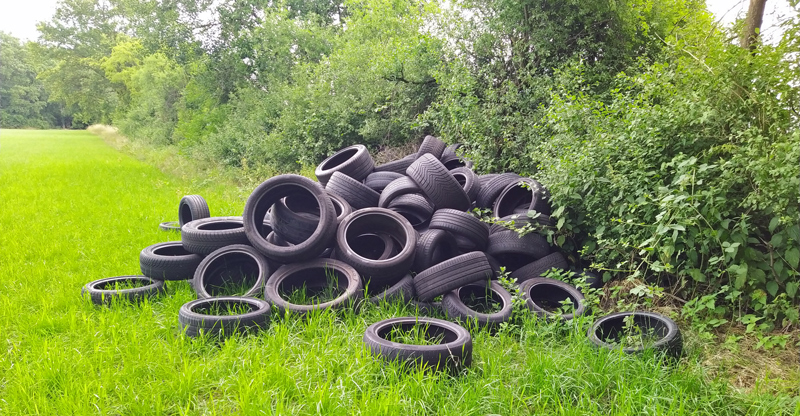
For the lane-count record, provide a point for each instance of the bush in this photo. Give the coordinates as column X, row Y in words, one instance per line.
column 687, row 176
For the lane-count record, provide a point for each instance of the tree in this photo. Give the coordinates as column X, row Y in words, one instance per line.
column 752, row 23
column 23, row 99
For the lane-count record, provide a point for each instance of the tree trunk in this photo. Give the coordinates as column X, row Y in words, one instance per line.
column 752, row 23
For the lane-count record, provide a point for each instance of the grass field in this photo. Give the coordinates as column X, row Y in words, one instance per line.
column 72, row 210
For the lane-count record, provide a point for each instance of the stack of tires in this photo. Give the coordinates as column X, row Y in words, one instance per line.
column 397, row 231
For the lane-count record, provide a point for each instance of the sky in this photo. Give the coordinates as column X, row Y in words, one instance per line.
column 19, row 17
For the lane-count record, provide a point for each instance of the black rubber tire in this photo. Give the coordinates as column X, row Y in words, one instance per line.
column 427, row 308
column 468, row 180
column 438, row 184
column 522, row 196
column 431, row 145
column 295, row 218
column 452, row 162
column 353, row 161
column 485, row 178
column 491, row 189
column 168, row 261
column 377, row 220
column 99, row 295
column 354, row 192
column 270, row 192
column 377, row 181
column 220, row 267
column 341, row 207
column 313, row 274
column 455, row 308
column 208, row 234
column 402, row 291
column 521, row 220
column 192, row 207
column 670, row 341
column 451, row 274
column 494, row 264
column 463, row 225
column 513, row 251
column 373, row 246
column 170, row 226
column 416, row 203
column 194, row 323
column 535, row 269
column 433, row 247
column 451, row 150
column 399, row 186
column 455, row 353
column 541, row 294
column 593, row 280
column 274, row 238
column 398, row 166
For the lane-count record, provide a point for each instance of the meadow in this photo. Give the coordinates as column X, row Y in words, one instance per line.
column 73, row 209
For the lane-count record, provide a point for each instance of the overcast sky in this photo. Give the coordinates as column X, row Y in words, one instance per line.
column 19, row 17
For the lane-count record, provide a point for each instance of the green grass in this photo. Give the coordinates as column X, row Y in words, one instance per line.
column 73, row 210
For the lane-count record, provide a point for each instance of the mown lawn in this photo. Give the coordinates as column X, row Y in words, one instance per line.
column 73, row 210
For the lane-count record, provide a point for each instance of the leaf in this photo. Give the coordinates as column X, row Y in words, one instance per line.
column 777, row 240
column 773, row 223
column 697, row 275
column 560, row 222
column 772, row 288
column 791, row 288
column 739, row 271
column 792, row 257
column 794, row 232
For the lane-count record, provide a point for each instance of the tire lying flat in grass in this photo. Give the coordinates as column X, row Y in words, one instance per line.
column 170, row 226
column 543, row 296
column 102, row 291
column 668, row 338
column 455, row 304
column 453, row 352
column 192, row 207
column 316, row 276
column 168, row 261
column 236, row 267
column 249, row 315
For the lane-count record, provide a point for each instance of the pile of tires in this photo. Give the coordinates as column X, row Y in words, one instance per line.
column 399, row 231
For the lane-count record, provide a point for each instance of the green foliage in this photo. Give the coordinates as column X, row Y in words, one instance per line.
column 369, row 89
column 687, row 175
column 155, row 89
column 23, row 99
